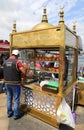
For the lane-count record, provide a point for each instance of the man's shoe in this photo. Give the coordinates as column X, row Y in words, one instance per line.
column 10, row 115
column 18, row 117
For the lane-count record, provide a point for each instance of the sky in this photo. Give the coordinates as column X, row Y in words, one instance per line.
column 28, row 13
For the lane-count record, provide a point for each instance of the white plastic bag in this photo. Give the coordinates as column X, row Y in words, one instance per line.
column 64, row 114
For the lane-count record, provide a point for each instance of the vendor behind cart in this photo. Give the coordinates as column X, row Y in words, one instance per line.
column 12, row 76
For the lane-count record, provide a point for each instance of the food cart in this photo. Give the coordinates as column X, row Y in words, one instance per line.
column 52, row 53
column 4, row 53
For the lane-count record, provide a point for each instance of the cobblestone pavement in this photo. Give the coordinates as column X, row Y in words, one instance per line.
column 80, row 118
column 28, row 122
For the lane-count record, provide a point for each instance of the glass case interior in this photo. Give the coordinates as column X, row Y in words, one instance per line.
column 44, row 66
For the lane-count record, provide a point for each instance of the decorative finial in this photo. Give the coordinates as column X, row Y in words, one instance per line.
column 74, row 27
column 44, row 16
column 14, row 27
column 61, row 14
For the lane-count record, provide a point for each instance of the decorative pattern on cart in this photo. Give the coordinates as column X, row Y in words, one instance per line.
column 69, row 98
column 40, row 101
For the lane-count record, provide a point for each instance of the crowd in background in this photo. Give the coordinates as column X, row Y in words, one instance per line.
column 81, row 71
column 3, row 57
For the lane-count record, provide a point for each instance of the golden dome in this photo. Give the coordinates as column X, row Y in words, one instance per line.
column 44, row 22
column 42, row 25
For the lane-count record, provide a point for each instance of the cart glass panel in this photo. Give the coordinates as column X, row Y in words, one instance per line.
column 69, row 66
column 44, row 66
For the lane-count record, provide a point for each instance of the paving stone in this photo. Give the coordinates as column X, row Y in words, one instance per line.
column 28, row 122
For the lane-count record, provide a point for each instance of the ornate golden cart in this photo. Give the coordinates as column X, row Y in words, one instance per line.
column 52, row 53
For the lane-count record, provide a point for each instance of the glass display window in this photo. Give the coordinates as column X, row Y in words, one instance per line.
column 69, row 65
column 44, row 65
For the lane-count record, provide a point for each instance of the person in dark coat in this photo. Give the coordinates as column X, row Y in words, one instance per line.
column 12, row 78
